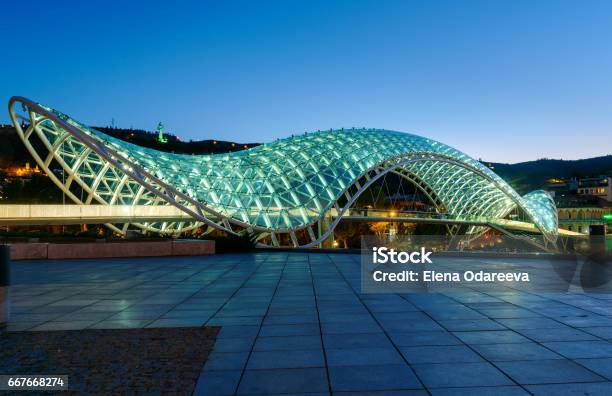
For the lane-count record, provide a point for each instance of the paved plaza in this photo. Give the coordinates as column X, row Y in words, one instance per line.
column 296, row 323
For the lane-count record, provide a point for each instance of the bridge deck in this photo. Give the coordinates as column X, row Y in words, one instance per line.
column 87, row 214
column 508, row 224
column 98, row 214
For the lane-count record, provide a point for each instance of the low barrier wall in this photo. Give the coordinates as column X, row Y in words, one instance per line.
column 43, row 251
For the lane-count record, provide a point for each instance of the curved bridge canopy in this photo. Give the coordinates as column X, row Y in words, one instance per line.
column 278, row 190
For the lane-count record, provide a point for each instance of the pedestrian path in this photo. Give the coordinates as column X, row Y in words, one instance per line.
column 296, row 323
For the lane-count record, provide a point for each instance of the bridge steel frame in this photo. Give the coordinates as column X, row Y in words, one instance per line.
column 289, row 186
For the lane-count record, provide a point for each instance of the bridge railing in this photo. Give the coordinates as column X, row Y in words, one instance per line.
column 89, row 212
column 390, row 213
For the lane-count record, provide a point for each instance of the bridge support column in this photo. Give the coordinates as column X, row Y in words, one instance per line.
column 322, row 227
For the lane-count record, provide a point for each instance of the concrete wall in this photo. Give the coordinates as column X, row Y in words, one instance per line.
column 43, row 251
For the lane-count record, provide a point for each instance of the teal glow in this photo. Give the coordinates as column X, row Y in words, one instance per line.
column 287, row 185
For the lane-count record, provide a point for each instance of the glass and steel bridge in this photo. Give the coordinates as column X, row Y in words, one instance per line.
column 291, row 192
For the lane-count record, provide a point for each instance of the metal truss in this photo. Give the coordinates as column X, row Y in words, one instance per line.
column 280, row 192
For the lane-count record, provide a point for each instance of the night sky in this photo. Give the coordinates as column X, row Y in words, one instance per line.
column 505, row 81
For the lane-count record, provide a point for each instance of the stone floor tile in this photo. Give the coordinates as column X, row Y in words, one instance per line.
column 490, row 337
column 238, row 331
column 289, row 330
column 177, row 314
column 226, row 361
column 452, row 375
column 291, row 319
column 587, row 321
column 572, row 389
column 217, row 383
column 512, row 352
column 238, row 344
column 287, row 343
column 557, row 334
column 581, row 349
column 481, row 391
column 347, row 341
column 295, row 358
column 350, row 328
column 424, row 338
column 508, row 313
column 601, row 366
column 602, row 332
column 471, row 325
column 404, row 392
column 363, row 356
column 234, row 321
column 531, row 323
column 440, row 354
column 372, row 378
column 547, row 372
column 302, row 380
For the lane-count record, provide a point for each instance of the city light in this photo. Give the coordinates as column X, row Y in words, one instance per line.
column 24, row 171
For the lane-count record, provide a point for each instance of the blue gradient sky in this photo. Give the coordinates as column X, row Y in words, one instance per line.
column 505, row 81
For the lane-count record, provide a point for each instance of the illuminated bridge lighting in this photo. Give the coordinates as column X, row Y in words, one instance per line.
column 280, row 192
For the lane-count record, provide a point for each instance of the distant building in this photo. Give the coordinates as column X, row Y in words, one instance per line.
column 581, row 202
column 600, row 187
column 579, row 219
column 561, row 187
column 22, row 171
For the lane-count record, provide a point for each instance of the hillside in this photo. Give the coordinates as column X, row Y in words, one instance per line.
column 37, row 188
column 528, row 176
column 13, row 152
column 174, row 144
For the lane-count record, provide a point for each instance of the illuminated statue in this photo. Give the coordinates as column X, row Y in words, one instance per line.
column 160, row 134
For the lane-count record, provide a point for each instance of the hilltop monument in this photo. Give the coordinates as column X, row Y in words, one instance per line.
column 160, row 134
